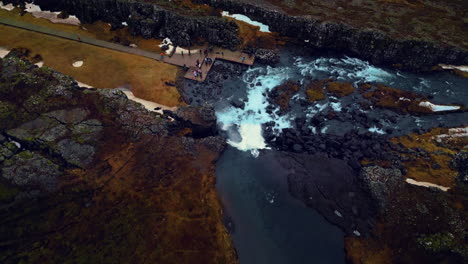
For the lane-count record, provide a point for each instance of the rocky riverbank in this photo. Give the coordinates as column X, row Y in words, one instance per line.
column 371, row 184
column 368, row 44
column 87, row 175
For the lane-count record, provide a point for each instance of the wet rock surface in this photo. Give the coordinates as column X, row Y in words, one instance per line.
column 222, row 72
column 268, row 57
column 120, row 183
column 331, row 187
column 31, row 169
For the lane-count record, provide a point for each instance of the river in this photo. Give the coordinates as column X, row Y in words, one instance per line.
column 267, row 224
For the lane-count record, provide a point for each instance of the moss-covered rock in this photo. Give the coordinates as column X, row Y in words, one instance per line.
column 29, row 168
column 340, row 89
column 315, row 90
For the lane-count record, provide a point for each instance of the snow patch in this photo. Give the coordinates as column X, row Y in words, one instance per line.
column 77, row 64
column 263, row 27
column 438, row 108
column 37, row 12
column 178, row 50
column 454, row 133
column 150, row 106
column 338, row 213
column 453, row 67
column 427, row 184
column 17, row 144
column 84, row 85
column 3, row 52
column 7, row 7
column 30, row 8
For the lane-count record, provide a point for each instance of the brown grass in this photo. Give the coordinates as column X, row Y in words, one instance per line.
column 388, row 97
column 252, row 37
column 98, row 30
column 340, row 89
column 421, row 169
column 102, row 68
column 315, row 90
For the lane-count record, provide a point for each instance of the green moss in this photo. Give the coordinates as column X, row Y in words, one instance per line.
column 25, row 154
column 443, row 242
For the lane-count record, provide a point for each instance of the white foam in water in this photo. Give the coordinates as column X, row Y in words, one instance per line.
column 376, row 130
column 252, row 138
column 344, row 69
column 336, row 106
column 249, row 120
column 263, row 27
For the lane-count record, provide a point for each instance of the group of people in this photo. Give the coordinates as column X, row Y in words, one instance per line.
column 207, row 61
column 197, row 73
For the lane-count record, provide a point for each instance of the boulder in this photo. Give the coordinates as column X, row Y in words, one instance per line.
column 266, row 56
column 30, row 168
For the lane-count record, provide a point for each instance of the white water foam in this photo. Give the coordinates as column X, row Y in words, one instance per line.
column 336, row 106
column 349, row 69
column 249, row 121
column 376, row 130
column 246, row 19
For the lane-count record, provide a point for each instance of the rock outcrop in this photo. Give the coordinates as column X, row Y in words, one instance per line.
column 371, row 45
column 148, row 20
column 87, row 175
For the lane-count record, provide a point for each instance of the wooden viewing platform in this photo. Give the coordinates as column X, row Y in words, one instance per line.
column 175, row 59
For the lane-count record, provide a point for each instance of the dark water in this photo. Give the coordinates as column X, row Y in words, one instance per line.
column 270, row 226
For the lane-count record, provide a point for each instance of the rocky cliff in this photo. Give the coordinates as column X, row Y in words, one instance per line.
column 372, row 45
column 87, row 176
column 148, row 20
